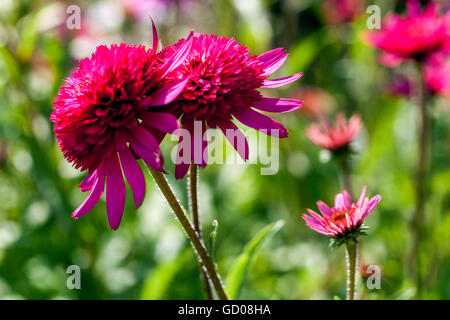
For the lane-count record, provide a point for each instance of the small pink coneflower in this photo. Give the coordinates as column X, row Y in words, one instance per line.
column 334, row 137
column 344, row 221
column 103, row 120
column 222, row 86
column 415, row 36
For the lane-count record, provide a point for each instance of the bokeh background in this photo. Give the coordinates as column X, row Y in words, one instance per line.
column 148, row 257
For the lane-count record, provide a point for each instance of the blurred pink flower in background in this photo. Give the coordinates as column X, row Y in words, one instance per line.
column 334, row 137
column 222, row 87
column 317, row 102
column 341, row 11
column 343, row 220
column 400, row 86
column 437, row 75
column 143, row 9
column 416, row 36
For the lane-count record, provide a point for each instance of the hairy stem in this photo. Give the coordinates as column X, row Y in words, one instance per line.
column 199, row 247
column 351, row 253
column 422, row 166
column 193, row 208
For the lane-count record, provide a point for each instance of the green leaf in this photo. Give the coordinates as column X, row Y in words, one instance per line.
column 238, row 270
column 160, row 278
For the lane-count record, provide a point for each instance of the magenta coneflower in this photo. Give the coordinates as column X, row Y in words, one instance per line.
column 103, row 120
column 334, row 137
column 343, row 221
column 223, row 83
column 416, row 36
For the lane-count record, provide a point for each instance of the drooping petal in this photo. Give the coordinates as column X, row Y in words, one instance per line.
column 165, row 95
column 235, row 137
column 178, row 58
column 181, row 170
column 134, row 175
column 87, row 183
column 115, row 193
column 272, row 60
column 260, row 122
column 93, row 197
column 165, row 122
column 146, row 147
column 277, row 105
column 276, row 83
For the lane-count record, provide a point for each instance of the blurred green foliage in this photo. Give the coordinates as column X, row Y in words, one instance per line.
column 149, row 257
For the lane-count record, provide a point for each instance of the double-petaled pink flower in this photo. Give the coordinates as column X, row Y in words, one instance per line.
column 416, row 36
column 344, row 221
column 103, row 120
column 334, row 137
column 222, row 86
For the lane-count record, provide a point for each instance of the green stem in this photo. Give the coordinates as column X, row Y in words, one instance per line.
column 200, row 250
column 344, row 162
column 422, row 165
column 351, row 252
column 193, row 207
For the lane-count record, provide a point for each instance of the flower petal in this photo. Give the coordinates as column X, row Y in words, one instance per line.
column 272, row 60
column 339, row 202
column 277, row 105
column 87, row 183
column 178, row 58
column 276, row 83
column 92, row 198
column 323, row 208
column 155, row 36
column 371, row 206
column 165, row 95
column 146, row 147
column 165, row 122
column 235, row 137
column 134, row 175
column 260, row 122
column 115, row 193
column 361, row 197
column 347, row 199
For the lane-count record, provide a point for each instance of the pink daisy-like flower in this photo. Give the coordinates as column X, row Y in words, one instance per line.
column 416, row 36
column 343, row 221
column 223, row 83
column 336, row 137
column 102, row 120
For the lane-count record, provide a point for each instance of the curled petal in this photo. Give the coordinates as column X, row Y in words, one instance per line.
column 155, row 36
column 272, row 60
column 87, row 183
column 276, row 83
column 92, row 198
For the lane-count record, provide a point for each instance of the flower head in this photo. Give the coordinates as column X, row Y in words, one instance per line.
column 344, row 221
column 416, row 36
column 223, row 83
column 336, row 137
column 103, row 122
